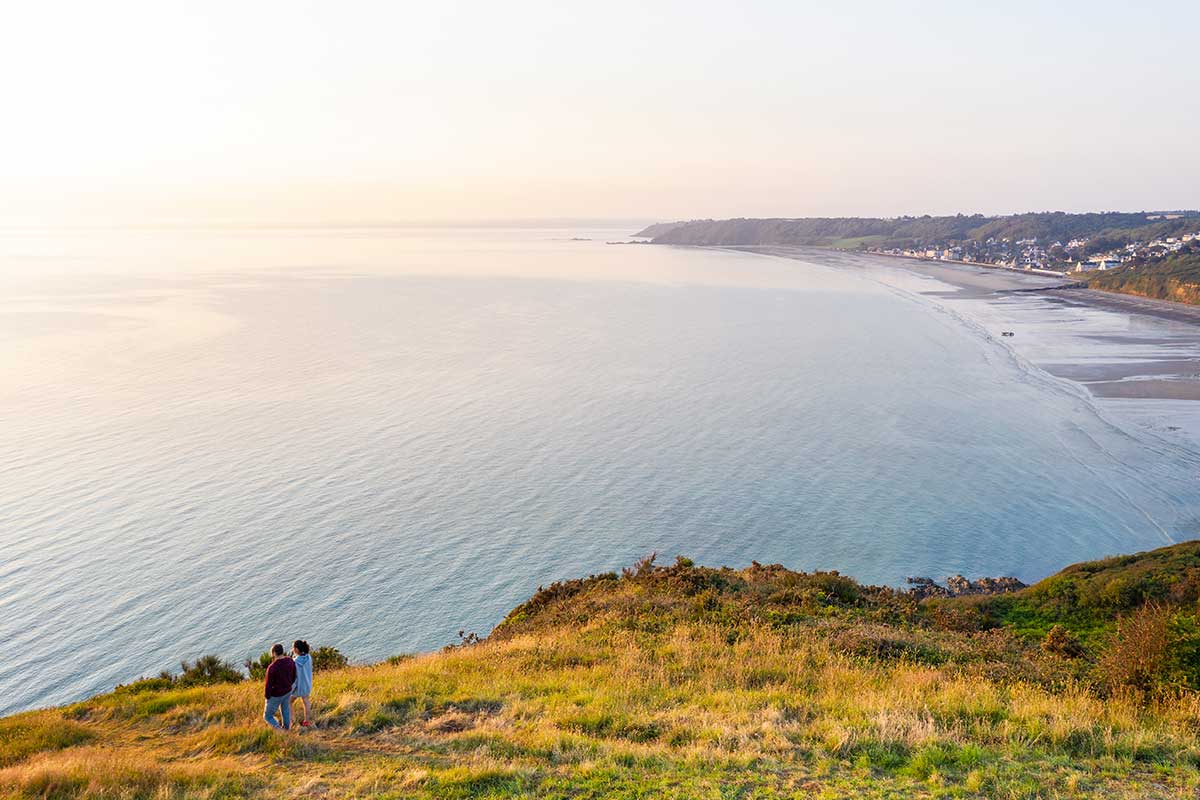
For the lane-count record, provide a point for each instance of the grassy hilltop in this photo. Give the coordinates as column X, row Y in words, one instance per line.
column 690, row 682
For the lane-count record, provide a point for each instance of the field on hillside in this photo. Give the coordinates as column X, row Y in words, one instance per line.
column 680, row 682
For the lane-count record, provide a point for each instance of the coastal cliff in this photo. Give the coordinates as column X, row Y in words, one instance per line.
column 1176, row 278
column 687, row 681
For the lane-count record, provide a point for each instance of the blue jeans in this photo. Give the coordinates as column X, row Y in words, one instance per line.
column 275, row 705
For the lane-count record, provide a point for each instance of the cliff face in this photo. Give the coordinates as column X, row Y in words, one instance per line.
column 1176, row 278
column 692, row 682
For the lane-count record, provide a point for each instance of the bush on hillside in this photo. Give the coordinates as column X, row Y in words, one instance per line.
column 642, row 567
column 328, row 658
column 962, row 618
column 204, row 671
column 1138, row 655
column 1061, row 642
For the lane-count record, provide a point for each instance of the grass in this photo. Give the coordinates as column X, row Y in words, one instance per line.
column 858, row 242
column 679, row 683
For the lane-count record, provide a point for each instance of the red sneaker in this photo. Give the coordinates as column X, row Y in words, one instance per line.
column 305, row 724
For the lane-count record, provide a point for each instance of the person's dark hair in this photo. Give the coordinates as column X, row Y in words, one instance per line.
column 301, row 647
column 276, row 649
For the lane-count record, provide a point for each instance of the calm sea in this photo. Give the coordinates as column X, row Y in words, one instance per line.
column 213, row 439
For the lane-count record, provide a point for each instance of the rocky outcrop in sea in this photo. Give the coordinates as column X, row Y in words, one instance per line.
column 957, row 586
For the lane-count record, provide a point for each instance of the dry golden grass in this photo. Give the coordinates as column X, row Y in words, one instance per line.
column 601, row 710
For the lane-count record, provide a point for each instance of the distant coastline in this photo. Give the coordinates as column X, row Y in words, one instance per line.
column 1148, row 254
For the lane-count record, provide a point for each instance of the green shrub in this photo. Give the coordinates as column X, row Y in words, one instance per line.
column 328, row 658
column 207, row 670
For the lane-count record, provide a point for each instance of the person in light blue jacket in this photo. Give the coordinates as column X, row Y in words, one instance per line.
column 302, row 688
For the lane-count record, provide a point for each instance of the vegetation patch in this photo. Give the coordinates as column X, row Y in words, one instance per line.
column 24, row 735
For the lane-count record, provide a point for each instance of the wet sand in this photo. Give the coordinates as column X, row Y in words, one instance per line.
column 979, row 281
column 1131, row 304
column 1147, row 389
column 1097, row 372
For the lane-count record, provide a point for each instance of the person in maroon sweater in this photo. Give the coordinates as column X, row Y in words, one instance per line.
column 281, row 674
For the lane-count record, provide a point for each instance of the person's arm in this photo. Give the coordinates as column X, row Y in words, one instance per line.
column 267, row 683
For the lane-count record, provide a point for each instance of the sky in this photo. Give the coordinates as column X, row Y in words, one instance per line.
column 398, row 111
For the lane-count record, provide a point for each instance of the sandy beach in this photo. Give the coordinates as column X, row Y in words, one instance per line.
column 967, row 280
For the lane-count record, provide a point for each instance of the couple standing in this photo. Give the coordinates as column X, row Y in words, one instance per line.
column 288, row 679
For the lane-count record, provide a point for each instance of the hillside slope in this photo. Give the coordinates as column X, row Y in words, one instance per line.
column 1175, row 278
column 691, row 682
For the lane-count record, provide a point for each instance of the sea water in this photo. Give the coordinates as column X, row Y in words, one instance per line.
column 212, row 439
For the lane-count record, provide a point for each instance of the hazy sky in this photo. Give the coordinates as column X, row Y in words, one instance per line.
column 444, row 110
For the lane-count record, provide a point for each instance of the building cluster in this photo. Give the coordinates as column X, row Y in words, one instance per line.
column 1057, row 257
column 1135, row 253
